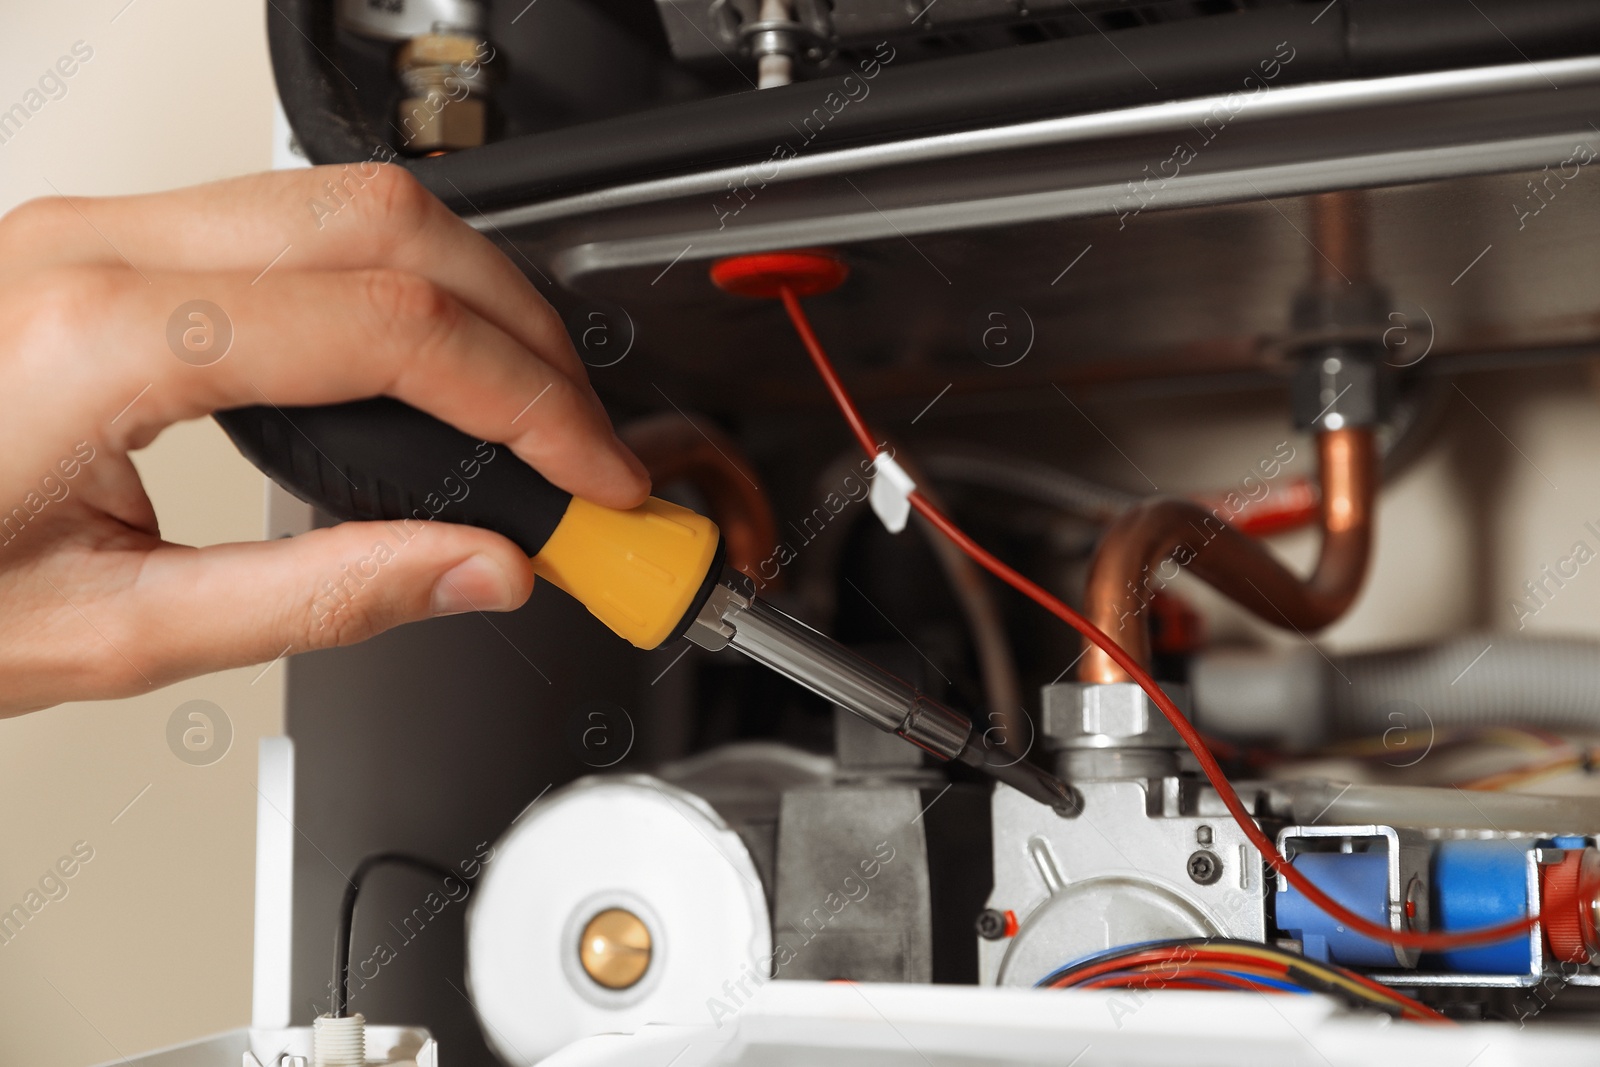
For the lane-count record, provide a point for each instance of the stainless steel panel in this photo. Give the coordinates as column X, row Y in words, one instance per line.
column 1109, row 257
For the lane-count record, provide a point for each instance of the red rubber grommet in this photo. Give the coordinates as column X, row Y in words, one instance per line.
column 764, row 274
column 1560, row 911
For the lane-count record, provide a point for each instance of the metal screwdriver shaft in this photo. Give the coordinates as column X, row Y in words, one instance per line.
column 734, row 616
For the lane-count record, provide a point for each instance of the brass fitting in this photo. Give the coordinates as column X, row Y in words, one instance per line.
column 446, row 77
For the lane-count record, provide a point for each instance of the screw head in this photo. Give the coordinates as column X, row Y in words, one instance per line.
column 991, row 925
column 615, row 948
column 1204, row 867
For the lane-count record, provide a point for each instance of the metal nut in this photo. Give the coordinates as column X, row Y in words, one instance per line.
column 1118, row 715
column 441, row 125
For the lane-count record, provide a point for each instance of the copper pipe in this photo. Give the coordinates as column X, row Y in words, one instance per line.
column 675, row 448
column 1146, row 546
column 1339, row 236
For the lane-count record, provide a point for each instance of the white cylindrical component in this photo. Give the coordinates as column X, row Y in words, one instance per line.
column 339, row 1042
column 1264, row 695
column 623, row 843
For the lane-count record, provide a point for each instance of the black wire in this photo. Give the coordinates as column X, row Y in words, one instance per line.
column 345, row 934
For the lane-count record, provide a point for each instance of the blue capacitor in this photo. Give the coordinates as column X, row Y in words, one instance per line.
column 1476, row 884
column 1359, row 881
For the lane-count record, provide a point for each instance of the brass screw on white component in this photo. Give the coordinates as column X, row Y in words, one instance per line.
column 339, row 1042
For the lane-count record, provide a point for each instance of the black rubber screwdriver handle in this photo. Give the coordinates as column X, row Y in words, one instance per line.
column 643, row 572
column 382, row 459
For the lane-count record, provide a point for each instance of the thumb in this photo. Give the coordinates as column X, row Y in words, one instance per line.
column 230, row 605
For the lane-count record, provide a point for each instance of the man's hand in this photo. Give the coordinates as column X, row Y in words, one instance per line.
column 390, row 294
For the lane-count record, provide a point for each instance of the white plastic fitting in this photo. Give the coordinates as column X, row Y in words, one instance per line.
column 339, row 1042
column 775, row 68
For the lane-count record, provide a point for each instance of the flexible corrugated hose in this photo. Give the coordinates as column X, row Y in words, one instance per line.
column 1479, row 679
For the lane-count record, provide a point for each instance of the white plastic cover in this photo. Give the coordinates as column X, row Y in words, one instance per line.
column 628, row 841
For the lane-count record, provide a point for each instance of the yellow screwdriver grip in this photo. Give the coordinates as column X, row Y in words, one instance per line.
column 638, row 571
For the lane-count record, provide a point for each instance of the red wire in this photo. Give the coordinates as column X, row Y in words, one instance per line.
column 1180, row 955
column 1130, row 981
column 824, row 365
column 1156, row 978
column 1208, row 764
column 1239, row 981
column 1185, row 976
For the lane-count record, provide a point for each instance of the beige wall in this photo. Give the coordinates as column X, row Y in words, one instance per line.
column 152, row 943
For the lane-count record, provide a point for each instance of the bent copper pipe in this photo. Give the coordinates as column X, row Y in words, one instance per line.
column 672, row 448
column 1147, row 546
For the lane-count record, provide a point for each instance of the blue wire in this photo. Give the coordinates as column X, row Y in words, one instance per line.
column 1275, row 983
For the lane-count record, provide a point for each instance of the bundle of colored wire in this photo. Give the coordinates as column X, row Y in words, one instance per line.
column 1382, row 747
column 1191, row 737
column 1217, row 963
column 1568, row 757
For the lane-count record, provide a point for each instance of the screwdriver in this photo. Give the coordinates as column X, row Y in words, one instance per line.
column 733, row 616
column 651, row 573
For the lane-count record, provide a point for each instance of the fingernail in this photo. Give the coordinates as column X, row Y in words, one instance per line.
column 478, row 584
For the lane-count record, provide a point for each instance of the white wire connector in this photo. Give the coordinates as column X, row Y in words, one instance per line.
column 891, row 492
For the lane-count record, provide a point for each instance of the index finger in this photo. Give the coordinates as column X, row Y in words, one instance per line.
column 360, row 215
column 299, row 338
